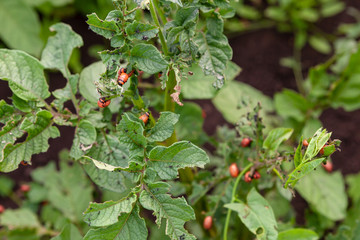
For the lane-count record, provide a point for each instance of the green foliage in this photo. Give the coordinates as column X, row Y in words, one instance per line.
column 143, row 152
column 319, row 184
column 21, row 28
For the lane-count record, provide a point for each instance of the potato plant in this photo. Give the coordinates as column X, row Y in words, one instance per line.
column 138, row 168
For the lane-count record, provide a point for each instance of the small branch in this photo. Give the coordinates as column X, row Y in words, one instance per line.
column 233, row 198
column 297, row 69
column 156, row 20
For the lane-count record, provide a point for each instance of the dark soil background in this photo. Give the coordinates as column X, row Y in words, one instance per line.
column 258, row 54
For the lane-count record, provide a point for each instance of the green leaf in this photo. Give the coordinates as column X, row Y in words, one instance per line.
column 141, row 31
column 117, row 41
column 308, row 14
column 233, row 93
column 66, row 93
column 347, row 93
column 164, row 127
column 107, row 213
column 257, row 215
column 58, row 49
column 6, row 111
column 353, row 180
column 200, row 86
column 320, row 44
column 68, row 190
column 175, row 211
column 332, row 8
column 19, row 218
column 148, row 58
column 316, row 143
column 248, row 12
column 186, row 17
column 24, row 73
column 325, row 191
column 178, row 2
column 88, row 76
column 298, row 234
column 276, row 13
column 301, row 170
column 109, row 150
column 85, row 135
column 289, row 103
column 276, row 137
column 215, row 53
column 132, row 136
column 190, row 125
column 9, row 133
column 298, row 154
column 22, row 105
column 39, row 131
column 68, row 232
column 129, row 227
column 6, row 186
column 167, row 160
column 20, row 26
column 107, row 29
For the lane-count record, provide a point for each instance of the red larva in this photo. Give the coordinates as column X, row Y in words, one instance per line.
column 208, row 221
column 245, row 142
column 234, row 170
column 103, row 102
column 145, row 117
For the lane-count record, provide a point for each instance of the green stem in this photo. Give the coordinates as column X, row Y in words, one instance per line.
column 161, row 14
column 233, row 198
column 297, row 69
column 156, row 20
column 169, row 104
column 278, row 174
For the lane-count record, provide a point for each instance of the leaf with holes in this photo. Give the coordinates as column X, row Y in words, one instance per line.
column 257, row 215
column 107, row 213
column 108, row 150
column 57, row 52
column 319, row 139
column 132, row 136
column 130, row 226
column 141, row 31
column 215, row 53
column 105, row 28
column 301, row 170
column 39, row 131
column 167, row 160
column 175, row 211
column 24, row 73
column 85, row 135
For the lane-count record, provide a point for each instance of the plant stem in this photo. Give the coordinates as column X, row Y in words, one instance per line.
column 161, row 14
column 297, row 69
column 169, row 104
column 156, row 20
column 278, row 174
column 233, row 198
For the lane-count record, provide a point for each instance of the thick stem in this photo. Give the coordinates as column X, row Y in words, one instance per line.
column 161, row 14
column 169, row 104
column 233, row 198
column 156, row 20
